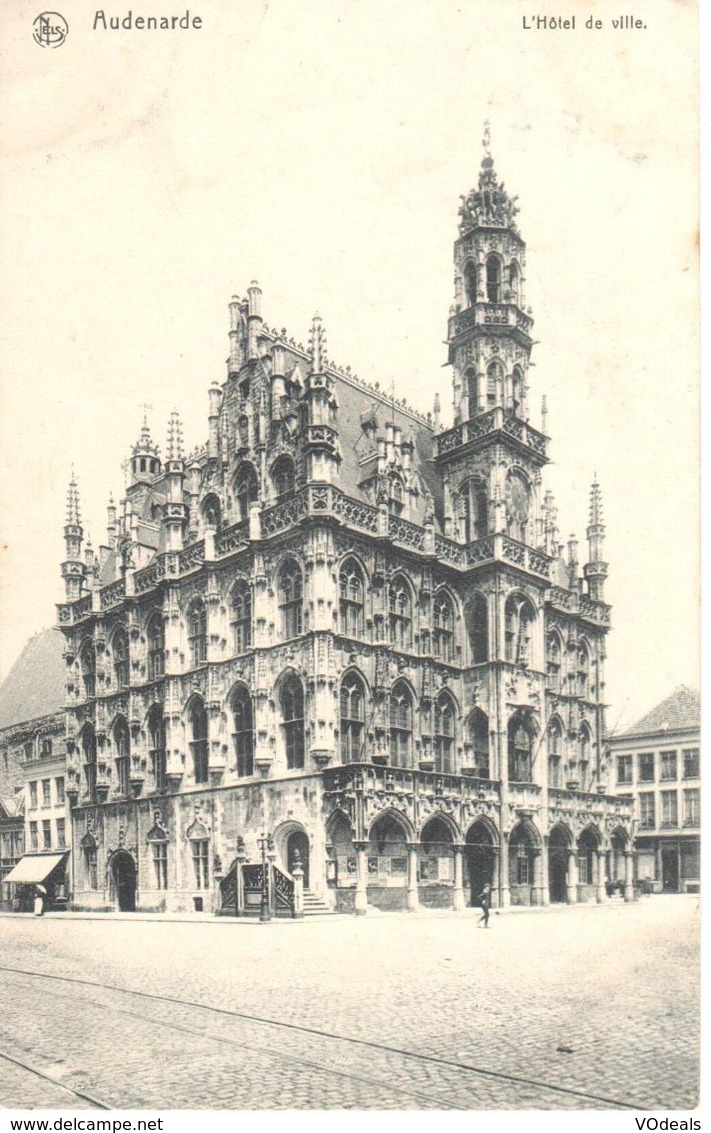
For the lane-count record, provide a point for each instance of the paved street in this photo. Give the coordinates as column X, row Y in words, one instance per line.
column 568, row 1008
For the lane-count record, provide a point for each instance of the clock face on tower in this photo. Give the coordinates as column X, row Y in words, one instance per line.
column 518, row 499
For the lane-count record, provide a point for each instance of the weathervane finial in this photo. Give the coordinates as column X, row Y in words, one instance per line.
column 486, row 140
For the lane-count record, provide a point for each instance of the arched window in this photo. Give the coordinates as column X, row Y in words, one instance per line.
column 478, row 627
column 87, row 661
column 584, row 757
column 514, row 282
column 156, row 648
column 211, row 511
column 198, row 744
column 197, row 633
column 351, row 599
column 583, row 681
column 444, row 714
column 400, row 725
column 241, row 617
column 122, row 747
column 396, row 498
column 243, row 735
column 555, row 754
column 157, row 746
column 476, row 508
column 400, row 613
column 119, row 648
column 443, row 627
column 493, row 279
column 352, row 727
column 520, row 750
column 246, row 489
column 88, row 744
column 553, row 654
column 470, row 283
column 283, row 477
column 479, row 739
column 291, row 700
column 291, row 599
column 518, row 617
column 472, row 393
column 494, row 381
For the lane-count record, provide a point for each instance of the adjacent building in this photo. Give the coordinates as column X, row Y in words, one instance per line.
column 345, row 639
column 655, row 764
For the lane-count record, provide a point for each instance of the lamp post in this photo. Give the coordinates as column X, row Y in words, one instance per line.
column 265, row 844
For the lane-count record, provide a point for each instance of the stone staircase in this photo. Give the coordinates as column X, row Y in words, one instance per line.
column 314, row 906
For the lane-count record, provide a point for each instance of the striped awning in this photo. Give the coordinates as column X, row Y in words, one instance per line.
column 34, row 868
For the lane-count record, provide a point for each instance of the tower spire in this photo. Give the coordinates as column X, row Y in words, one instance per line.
column 317, row 345
column 595, row 569
column 73, row 567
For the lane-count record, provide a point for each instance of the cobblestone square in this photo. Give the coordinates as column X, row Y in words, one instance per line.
column 584, row 1007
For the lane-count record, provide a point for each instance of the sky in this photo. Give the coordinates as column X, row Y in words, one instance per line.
column 320, row 147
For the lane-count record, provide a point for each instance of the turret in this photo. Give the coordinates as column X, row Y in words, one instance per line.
column 595, row 570
column 321, row 436
column 237, row 327
column 145, row 462
column 175, row 512
column 73, row 568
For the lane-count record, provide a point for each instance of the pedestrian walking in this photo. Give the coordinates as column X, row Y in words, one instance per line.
column 484, row 902
column 40, row 894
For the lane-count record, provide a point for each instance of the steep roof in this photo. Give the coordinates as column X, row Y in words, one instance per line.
column 35, row 684
column 680, row 711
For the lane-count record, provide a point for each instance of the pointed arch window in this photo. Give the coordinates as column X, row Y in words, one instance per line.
column 241, row 617
column 494, row 380
column 443, row 627
column 400, row 613
column 156, row 648
column 479, row 739
column 291, row 599
column 352, row 717
column 351, row 599
column 291, row 700
column 514, row 282
column 472, row 393
column 520, row 751
column 119, row 648
column 88, row 742
column 87, row 661
column 553, row 656
column 211, row 511
column 478, row 626
column 584, row 757
column 157, row 748
column 400, row 725
column 197, row 633
column 444, row 716
column 283, row 477
column 555, row 754
column 470, row 283
column 493, row 279
column 518, row 621
column 583, row 676
column 122, row 747
column 246, row 490
column 198, row 744
column 243, row 735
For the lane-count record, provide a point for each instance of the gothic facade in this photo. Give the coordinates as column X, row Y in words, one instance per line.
column 345, row 639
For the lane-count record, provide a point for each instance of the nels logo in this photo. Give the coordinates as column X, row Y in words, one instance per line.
column 49, row 29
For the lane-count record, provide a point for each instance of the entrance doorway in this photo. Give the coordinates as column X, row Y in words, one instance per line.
column 298, row 844
column 479, row 852
column 123, row 869
column 558, row 854
column 670, row 871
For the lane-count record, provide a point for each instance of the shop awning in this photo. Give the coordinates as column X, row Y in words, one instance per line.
column 34, row 868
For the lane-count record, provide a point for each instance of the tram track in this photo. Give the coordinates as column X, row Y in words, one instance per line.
column 265, row 1021
column 22, row 1065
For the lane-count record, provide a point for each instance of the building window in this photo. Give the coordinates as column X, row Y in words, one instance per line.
column 646, row 810
column 284, row 477
column 61, row 833
column 46, row 834
column 197, row 633
column 211, row 511
column 291, row 600
column 89, row 754
column 691, row 763
column 478, row 628
column 352, row 719
column 583, row 679
column 156, row 648
column 91, row 873
column 520, row 751
column 470, row 283
column 692, row 807
column 122, row 745
column 670, row 815
column 444, row 734
column 87, row 661
column 160, row 863
column 443, row 628
column 46, row 747
column 351, row 599
column 494, row 378
column 400, row 726
column 555, row 754
column 201, row 862
column 518, row 619
column 246, row 490
column 584, row 759
column 29, row 750
column 476, row 509
column 668, row 770
column 46, row 792
column 34, row 839
column 244, row 732
column 479, row 739
column 242, row 617
column 493, row 279
column 645, row 768
column 59, row 788
column 553, row 653
column 33, row 795
column 292, row 715
column 157, row 750
column 120, row 655
column 198, row 744
column 472, row 386
column 584, row 868
column 400, row 613
column 523, row 866
column 624, row 769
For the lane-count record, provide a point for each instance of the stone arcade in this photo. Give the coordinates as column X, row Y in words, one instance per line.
column 344, row 640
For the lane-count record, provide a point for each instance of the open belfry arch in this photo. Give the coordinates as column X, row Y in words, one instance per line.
column 339, row 654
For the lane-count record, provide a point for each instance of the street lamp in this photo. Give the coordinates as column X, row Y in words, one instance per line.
column 266, row 845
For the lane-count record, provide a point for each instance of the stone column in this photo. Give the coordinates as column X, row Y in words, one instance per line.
column 458, row 896
column 413, row 899
column 629, row 875
column 601, row 890
column 361, row 893
column 572, row 878
column 504, row 872
column 537, row 887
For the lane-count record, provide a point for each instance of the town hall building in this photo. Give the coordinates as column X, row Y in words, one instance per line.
column 341, row 648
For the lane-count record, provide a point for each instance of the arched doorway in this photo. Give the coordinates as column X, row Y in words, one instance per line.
column 558, row 854
column 387, row 862
column 479, row 854
column 522, row 854
column 435, row 864
column 297, row 850
column 123, row 871
column 588, row 863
